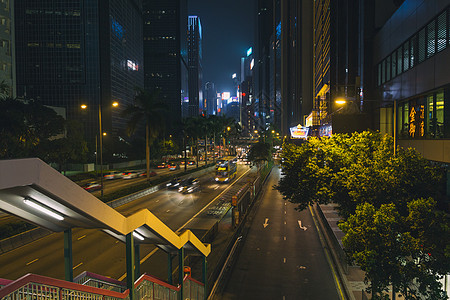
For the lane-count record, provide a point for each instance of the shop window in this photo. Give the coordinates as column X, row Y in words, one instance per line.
column 379, row 74
column 429, row 118
column 405, row 56
column 442, row 31
column 421, row 46
column 412, row 51
column 383, row 73
column 388, row 68
column 431, row 39
column 399, row 61
column 439, row 115
column 403, row 120
column 394, row 64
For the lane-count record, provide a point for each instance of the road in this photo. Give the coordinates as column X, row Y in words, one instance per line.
column 282, row 257
column 95, row 251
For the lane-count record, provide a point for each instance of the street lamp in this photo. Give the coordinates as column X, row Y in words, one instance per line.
column 101, row 134
column 342, row 101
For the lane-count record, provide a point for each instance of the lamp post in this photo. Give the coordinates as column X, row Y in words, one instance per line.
column 343, row 101
column 101, row 134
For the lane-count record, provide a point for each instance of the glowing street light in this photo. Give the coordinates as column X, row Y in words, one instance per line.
column 101, row 134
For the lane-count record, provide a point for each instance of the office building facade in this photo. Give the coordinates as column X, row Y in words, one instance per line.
column 165, row 54
column 411, row 62
column 195, row 66
column 80, row 52
column 7, row 66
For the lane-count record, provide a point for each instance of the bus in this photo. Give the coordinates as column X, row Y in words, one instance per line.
column 226, row 171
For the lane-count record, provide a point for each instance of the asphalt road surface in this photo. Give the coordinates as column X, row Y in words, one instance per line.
column 97, row 252
column 282, row 256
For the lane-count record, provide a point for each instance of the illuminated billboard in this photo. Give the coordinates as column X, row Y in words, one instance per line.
column 249, row 51
column 226, row 95
column 299, row 132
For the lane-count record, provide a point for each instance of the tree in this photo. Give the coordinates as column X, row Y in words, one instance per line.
column 148, row 109
column 350, row 170
column 23, row 125
column 63, row 150
column 260, row 152
column 408, row 252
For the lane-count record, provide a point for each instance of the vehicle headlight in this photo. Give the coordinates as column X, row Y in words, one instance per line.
column 226, row 179
column 169, row 184
column 217, row 178
column 180, row 189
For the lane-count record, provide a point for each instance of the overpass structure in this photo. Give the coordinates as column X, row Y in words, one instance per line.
column 34, row 191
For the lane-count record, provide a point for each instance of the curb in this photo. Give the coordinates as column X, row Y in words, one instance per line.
column 342, row 277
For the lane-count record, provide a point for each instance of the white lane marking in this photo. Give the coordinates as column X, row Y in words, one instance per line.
column 301, row 267
column 284, row 222
column 301, row 227
column 265, row 223
column 157, row 201
column 178, row 230
column 284, row 203
column 284, row 212
column 30, row 262
column 167, row 210
column 77, row 265
column 81, row 237
column 284, row 238
column 216, row 187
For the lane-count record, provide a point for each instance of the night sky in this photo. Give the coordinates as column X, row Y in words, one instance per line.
column 228, row 31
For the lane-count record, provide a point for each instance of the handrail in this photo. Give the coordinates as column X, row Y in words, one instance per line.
column 155, row 280
column 4, row 282
column 99, row 277
column 13, row 286
column 187, row 277
column 33, row 278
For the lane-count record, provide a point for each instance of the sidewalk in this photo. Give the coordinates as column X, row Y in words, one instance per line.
column 352, row 276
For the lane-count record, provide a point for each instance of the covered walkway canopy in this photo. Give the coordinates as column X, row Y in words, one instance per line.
column 37, row 193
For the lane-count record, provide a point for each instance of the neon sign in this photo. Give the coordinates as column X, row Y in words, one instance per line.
column 417, row 121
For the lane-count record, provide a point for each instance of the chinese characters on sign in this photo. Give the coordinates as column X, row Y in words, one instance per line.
column 417, row 121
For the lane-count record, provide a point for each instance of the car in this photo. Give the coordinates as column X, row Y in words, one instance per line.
column 112, row 175
column 144, row 174
column 130, row 174
column 189, row 185
column 173, row 166
column 174, row 184
column 92, row 186
column 162, row 165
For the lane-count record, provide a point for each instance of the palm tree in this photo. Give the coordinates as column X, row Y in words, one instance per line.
column 148, row 108
column 192, row 129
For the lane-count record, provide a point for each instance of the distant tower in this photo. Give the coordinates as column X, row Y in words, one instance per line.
column 195, row 65
column 70, row 53
column 165, row 53
column 210, row 98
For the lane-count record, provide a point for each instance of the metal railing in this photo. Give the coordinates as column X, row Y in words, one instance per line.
column 97, row 287
column 192, row 289
column 101, row 282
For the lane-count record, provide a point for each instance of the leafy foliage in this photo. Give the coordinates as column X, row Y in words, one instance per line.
column 350, row 170
column 407, row 251
column 24, row 126
column 387, row 204
column 260, row 152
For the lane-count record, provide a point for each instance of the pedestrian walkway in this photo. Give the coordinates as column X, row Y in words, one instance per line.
column 352, row 276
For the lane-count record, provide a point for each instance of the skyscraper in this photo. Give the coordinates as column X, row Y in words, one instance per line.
column 195, row 65
column 165, row 54
column 210, row 98
column 80, row 52
column 6, row 47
